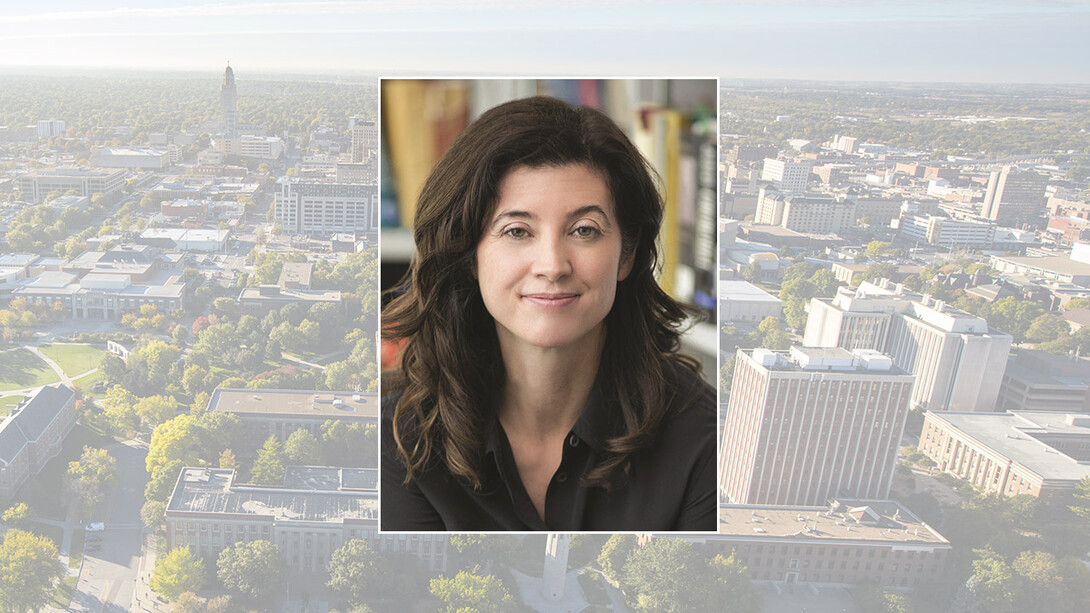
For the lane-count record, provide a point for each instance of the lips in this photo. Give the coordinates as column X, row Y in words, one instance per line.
column 550, row 300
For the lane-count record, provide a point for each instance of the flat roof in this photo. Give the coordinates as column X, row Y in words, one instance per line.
column 1060, row 264
column 303, row 403
column 212, row 490
column 742, row 291
column 330, row 478
column 881, row 521
column 1010, row 435
column 303, row 295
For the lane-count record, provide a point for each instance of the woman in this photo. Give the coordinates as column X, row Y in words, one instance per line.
column 540, row 386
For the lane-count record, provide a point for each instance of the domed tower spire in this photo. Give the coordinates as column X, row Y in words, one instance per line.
column 229, row 103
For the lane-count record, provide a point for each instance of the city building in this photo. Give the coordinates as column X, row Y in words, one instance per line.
column 271, row 412
column 839, row 544
column 37, row 184
column 1041, row 381
column 262, row 299
column 248, row 146
column 957, row 359
column 48, row 128
column 314, row 512
column 310, row 206
column 810, row 425
column 1039, row 266
column 32, row 434
column 186, row 239
column 1038, row 453
column 785, row 175
column 364, row 138
column 101, row 295
column 809, row 214
column 942, row 231
column 743, row 302
column 156, row 159
column 1015, row 197
column 295, row 275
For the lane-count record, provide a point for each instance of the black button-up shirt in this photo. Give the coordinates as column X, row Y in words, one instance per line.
column 671, row 484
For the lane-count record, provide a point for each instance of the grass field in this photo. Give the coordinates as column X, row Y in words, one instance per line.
column 20, row 368
column 7, row 403
column 63, row 596
column 74, row 359
column 86, row 382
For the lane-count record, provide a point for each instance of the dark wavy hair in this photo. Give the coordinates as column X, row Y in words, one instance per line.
column 450, row 367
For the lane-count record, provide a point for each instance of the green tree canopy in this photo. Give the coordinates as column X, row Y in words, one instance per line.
column 253, row 569
column 469, row 591
column 29, row 569
column 87, row 479
column 268, row 468
column 177, row 572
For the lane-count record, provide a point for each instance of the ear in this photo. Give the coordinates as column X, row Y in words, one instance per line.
column 625, row 269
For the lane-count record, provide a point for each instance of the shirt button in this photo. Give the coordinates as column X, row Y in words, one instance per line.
column 573, row 440
column 561, row 477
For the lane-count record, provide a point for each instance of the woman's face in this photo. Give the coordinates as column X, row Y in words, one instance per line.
column 549, row 260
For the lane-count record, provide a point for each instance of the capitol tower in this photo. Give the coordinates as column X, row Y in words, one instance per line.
column 229, row 103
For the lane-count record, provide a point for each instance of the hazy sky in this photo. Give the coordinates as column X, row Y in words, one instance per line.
column 923, row 40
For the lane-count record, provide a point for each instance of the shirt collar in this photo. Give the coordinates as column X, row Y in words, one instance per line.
column 599, row 422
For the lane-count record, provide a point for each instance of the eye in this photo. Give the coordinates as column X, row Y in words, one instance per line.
column 517, row 232
column 587, row 231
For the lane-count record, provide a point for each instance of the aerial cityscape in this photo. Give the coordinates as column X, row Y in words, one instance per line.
column 193, row 231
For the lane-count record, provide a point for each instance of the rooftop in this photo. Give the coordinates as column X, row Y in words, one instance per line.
column 331, row 405
column 884, row 521
column 30, row 419
column 743, row 291
column 213, row 490
column 1011, row 435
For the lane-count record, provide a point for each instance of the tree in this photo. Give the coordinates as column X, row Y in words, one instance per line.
column 162, row 481
column 472, row 592
column 87, row 479
column 17, row 514
column 153, row 513
column 729, row 582
column 29, row 568
column 252, row 569
column 660, row 575
column 615, row 554
column 177, row 572
column 994, row 580
column 1081, row 496
column 227, row 460
column 877, row 248
column 880, row 270
column 268, row 468
column 119, row 407
column 188, row 602
column 1047, row 327
column 1077, row 303
column 356, row 571
column 302, row 448
column 480, row 547
column 155, row 410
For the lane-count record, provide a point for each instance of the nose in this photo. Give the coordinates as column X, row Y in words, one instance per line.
column 552, row 261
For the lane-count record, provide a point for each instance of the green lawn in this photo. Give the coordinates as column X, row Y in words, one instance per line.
column 86, row 382
column 20, row 368
column 74, row 359
column 7, row 403
column 63, row 596
column 75, row 552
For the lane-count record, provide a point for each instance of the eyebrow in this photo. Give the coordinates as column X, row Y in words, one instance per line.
column 579, row 212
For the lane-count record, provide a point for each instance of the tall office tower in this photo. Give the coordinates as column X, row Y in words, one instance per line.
column 555, row 571
column 364, row 138
column 786, row 176
column 814, row 424
column 229, row 103
column 1015, row 197
column 323, row 206
column 48, row 128
column 957, row 360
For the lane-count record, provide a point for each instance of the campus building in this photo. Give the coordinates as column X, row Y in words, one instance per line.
column 812, row 424
column 1039, row 453
column 32, row 434
column 839, row 544
column 810, row 214
column 957, row 359
column 311, row 515
column 312, row 206
column 1037, row 380
column 35, row 185
column 272, row 412
column 1015, row 197
column 786, row 175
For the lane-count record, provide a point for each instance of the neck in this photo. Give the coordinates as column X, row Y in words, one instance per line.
column 546, row 389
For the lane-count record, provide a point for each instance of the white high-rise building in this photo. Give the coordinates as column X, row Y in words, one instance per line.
column 817, row 423
column 364, row 138
column 786, row 175
column 48, row 128
column 957, row 359
column 323, row 207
